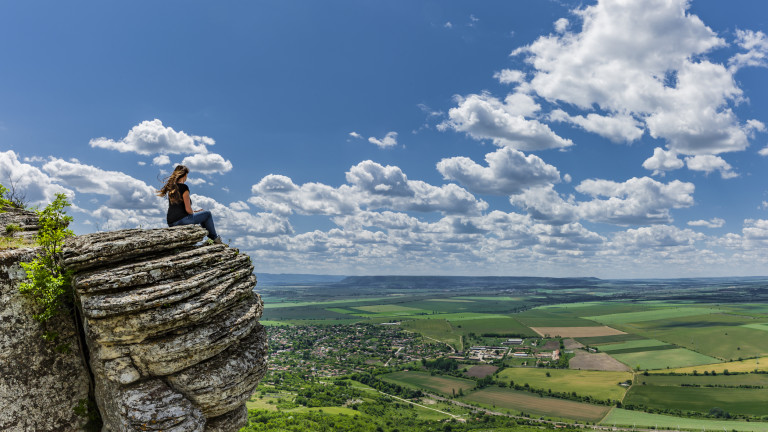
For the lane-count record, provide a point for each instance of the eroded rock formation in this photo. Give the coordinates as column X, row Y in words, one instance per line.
column 172, row 328
column 18, row 223
column 40, row 385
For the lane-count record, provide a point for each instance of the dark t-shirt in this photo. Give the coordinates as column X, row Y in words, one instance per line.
column 178, row 211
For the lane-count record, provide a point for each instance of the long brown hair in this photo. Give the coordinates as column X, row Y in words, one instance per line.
column 171, row 188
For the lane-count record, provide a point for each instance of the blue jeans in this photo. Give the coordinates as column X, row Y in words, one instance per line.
column 204, row 218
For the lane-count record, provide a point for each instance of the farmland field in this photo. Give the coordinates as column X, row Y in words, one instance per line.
column 662, row 359
column 552, row 318
column 440, row 330
column 424, row 381
column 718, row 335
column 596, row 362
column 501, row 398
column 388, row 308
column 596, row 384
column 481, row 371
column 503, row 326
column 459, row 316
column 577, row 331
column 277, row 305
column 748, row 365
column 700, row 399
column 763, row 327
column 642, row 343
column 600, row 340
column 651, row 315
column 721, row 379
column 622, row 417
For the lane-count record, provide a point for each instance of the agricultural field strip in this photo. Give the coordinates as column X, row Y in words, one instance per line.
column 387, row 308
column 451, row 300
column 509, row 299
column 661, row 359
column 457, row 316
column 699, row 399
column 643, row 343
column 576, row 331
column 596, row 384
column 622, row 417
column 703, row 380
column 545, row 406
column 605, row 340
column 574, row 305
column 748, row 365
column 424, row 381
column 644, row 349
column 763, row 327
column 652, row 315
column 322, row 303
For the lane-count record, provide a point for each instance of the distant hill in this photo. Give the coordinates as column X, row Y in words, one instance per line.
column 283, row 279
column 458, row 282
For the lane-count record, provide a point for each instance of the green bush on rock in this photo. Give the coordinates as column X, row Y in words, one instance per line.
column 47, row 283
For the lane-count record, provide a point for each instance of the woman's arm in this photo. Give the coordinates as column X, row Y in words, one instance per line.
column 187, row 202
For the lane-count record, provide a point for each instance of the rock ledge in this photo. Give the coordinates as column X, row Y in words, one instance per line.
column 171, row 326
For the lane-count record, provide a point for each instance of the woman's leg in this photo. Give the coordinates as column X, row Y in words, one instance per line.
column 205, row 219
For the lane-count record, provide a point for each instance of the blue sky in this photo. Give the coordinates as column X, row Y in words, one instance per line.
column 622, row 138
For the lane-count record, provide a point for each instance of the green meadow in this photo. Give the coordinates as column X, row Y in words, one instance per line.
column 670, row 358
column 623, row 417
column 643, row 343
column 651, row 315
column 444, row 385
column 700, row 399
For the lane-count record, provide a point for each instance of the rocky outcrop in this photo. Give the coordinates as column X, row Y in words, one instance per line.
column 18, row 223
column 41, row 385
column 172, row 328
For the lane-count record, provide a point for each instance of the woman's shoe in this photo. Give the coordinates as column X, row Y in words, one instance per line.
column 217, row 240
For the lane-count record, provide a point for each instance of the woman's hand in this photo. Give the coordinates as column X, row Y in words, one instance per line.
column 198, row 210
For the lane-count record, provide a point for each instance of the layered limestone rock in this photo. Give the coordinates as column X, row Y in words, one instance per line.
column 172, row 328
column 41, row 385
column 18, row 223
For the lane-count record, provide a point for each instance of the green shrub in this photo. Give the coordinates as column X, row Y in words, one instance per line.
column 12, row 228
column 47, row 283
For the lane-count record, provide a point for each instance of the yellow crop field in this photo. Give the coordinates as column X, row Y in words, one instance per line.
column 748, row 365
column 596, row 384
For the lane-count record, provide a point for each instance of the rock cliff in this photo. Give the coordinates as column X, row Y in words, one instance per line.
column 40, row 385
column 172, row 328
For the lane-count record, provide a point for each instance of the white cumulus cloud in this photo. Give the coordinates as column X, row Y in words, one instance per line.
column 709, row 163
column 617, row 128
column 509, row 76
column 122, row 190
column 509, row 171
column 712, row 223
column 663, row 161
column 644, row 60
column 151, row 137
column 161, row 160
column 486, row 117
column 389, row 140
column 37, row 187
column 207, row 163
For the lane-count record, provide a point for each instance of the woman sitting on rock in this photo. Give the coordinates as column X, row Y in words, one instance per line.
column 180, row 207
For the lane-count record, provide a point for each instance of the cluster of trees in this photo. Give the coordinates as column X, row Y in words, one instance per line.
column 386, row 387
column 715, row 412
column 320, row 395
column 379, row 416
column 441, row 364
